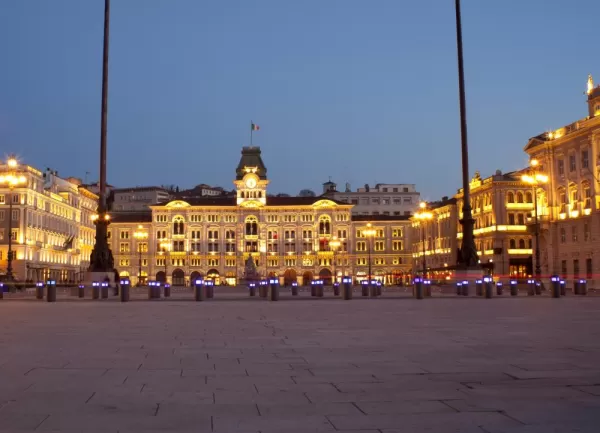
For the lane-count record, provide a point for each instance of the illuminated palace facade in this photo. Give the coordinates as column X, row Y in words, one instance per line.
column 297, row 239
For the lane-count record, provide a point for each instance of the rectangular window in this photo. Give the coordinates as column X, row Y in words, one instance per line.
column 397, row 245
column 379, row 261
column 124, row 234
column 195, row 218
column 124, row 262
column 588, row 269
column 397, row 233
column 15, row 198
column 230, row 263
column 521, row 219
column 213, row 262
column 178, row 246
column 361, row 246
column 213, row 218
column 511, row 219
column 563, row 235
column 585, row 159
column 561, row 167
column 379, row 246
column 563, row 268
column 290, row 262
column 196, row 262
column 576, row 268
column 213, row 247
column 161, row 218
column 124, row 247
column 586, row 232
column 14, row 234
column 213, row 234
column 1, row 215
column 195, row 246
column 572, row 163
column 160, row 262
column 15, row 215
column 361, row 261
column 379, row 233
column 574, row 233
column 2, row 199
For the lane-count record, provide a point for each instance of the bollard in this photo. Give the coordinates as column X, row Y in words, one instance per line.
column 319, row 288
column 459, row 288
column 81, row 291
column 514, row 290
column 530, row 287
column 538, row 288
column 427, row 288
column 499, row 288
column 167, row 289
column 347, row 283
column 583, row 287
column 262, row 289
column 373, row 289
column 555, row 281
column 336, row 289
column 478, row 287
column 294, row 289
column 51, row 290
column 150, row 289
column 418, row 289
column 313, row 288
column 39, row 290
column 365, row 287
column 95, row 290
column 487, row 283
column 576, row 287
column 199, row 289
column 274, row 292
column 563, row 288
column 1, row 290
column 210, row 288
column 104, row 290
column 125, row 289
column 252, row 289
column 465, row 288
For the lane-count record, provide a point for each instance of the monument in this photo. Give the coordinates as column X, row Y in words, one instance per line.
column 250, row 272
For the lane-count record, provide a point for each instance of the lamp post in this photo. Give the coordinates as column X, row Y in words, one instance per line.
column 12, row 179
column 535, row 179
column 166, row 247
column 140, row 235
column 369, row 232
column 334, row 244
column 423, row 215
column 468, row 251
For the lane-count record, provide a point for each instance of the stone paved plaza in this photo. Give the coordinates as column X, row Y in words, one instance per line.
column 468, row 365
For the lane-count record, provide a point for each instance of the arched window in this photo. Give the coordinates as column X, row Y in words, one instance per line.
column 178, row 225
column 251, row 226
column 512, row 244
column 530, row 243
column 324, row 225
column 528, row 197
column 522, row 244
column 510, row 197
column 519, row 197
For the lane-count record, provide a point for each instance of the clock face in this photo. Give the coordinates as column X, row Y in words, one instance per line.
column 250, row 182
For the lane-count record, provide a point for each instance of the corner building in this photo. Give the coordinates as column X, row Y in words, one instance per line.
column 287, row 237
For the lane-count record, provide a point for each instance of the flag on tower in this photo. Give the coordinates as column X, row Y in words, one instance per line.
column 254, row 127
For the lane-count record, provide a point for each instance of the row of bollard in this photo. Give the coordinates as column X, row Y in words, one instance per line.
column 270, row 289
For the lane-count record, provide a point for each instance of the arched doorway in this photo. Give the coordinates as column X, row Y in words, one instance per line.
column 194, row 276
column 325, row 275
column 178, row 277
column 307, row 277
column 289, row 277
column 160, row 276
column 214, row 275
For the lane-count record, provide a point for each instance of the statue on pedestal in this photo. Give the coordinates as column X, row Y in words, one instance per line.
column 250, row 272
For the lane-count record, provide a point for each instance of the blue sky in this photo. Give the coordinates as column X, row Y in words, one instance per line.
column 362, row 91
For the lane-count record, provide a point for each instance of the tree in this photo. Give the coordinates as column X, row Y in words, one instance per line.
column 307, row 193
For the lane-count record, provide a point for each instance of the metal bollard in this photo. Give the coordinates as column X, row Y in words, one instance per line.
column 478, row 287
column 39, row 290
column 104, row 290
column 459, row 288
column 465, row 288
column 336, row 289
column 347, row 282
column 487, row 284
column 51, row 290
column 1, row 290
column 555, row 281
column 294, row 289
column 583, row 287
column 95, row 290
column 199, row 290
column 418, row 289
column 150, row 289
column 538, row 288
column 319, row 288
column 251, row 289
column 125, row 289
column 262, row 289
column 167, row 289
column 274, row 292
column 81, row 291
column 530, row 287
column 563, row 288
column 210, row 288
column 365, row 287
column 514, row 290
column 499, row 288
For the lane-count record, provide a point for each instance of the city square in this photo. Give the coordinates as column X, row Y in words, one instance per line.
column 240, row 364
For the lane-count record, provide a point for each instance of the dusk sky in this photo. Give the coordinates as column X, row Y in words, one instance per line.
column 364, row 91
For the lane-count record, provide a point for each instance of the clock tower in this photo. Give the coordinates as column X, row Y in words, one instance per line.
column 251, row 178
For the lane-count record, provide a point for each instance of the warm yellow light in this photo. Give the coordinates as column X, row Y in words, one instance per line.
column 590, row 84
column 534, row 162
column 106, row 217
column 527, row 178
column 541, row 178
column 422, row 205
column 94, row 217
column 12, row 162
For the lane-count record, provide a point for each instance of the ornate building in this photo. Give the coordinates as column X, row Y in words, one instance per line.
column 294, row 238
column 570, row 227
column 51, row 226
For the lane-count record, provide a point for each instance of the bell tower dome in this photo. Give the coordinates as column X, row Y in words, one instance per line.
column 251, row 178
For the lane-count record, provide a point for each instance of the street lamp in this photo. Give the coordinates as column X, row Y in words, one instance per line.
column 423, row 215
column 12, row 179
column 535, row 179
column 166, row 247
column 140, row 235
column 334, row 244
column 369, row 232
